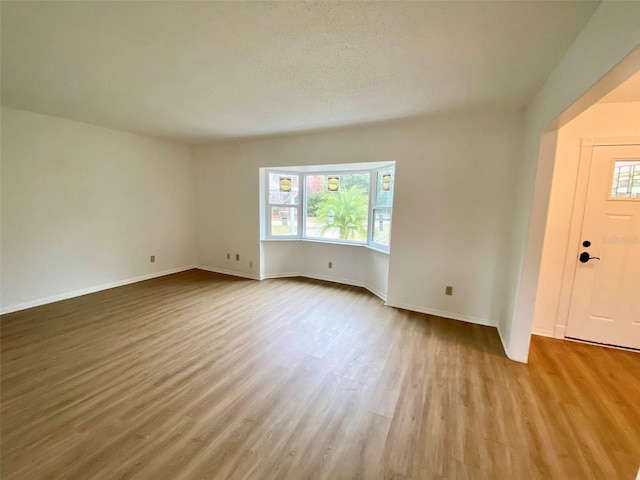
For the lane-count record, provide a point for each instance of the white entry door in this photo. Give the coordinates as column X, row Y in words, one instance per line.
column 605, row 303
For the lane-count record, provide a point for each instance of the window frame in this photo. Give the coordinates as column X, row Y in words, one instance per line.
column 304, row 200
column 270, row 205
column 375, row 206
column 301, row 206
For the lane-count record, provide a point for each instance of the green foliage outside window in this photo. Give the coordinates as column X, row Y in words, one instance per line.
column 347, row 211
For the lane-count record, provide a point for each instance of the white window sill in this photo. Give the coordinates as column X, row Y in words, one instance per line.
column 345, row 244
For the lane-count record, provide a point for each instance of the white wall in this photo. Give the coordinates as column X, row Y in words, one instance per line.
column 452, row 206
column 84, row 207
column 351, row 264
column 609, row 36
column 600, row 120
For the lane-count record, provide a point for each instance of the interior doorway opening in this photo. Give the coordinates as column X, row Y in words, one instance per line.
column 566, row 151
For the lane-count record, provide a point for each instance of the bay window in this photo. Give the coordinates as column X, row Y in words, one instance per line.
column 342, row 204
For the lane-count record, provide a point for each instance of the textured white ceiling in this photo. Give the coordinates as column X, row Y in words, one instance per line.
column 193, row 71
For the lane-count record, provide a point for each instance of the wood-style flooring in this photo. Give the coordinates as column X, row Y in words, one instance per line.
column 204, row 376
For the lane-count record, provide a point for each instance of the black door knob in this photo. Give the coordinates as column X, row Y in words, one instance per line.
column 584, row 257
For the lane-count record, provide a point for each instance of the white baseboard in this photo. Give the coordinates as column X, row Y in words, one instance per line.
column 502, row 340
column 560, row 331
column 86, row 291
column 542, row 332
column 281, row 275
column 343, row 281
column 442, row 313
column 328, row 278
column 233, row 273
column 382, row 296
column 510, row 356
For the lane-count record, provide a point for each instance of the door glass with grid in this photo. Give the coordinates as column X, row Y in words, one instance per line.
column 626, row 179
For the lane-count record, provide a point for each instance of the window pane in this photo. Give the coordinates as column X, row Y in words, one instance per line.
column 381, row 226
column 284, row 188
column 626, row 179
column 384, row 190
column 337, row 206
column 284, row 221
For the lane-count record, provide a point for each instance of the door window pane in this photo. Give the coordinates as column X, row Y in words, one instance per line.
column 626, row 179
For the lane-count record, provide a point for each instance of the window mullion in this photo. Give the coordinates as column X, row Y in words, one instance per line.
column 373, row 195
column 302, row 219
column 283, row 205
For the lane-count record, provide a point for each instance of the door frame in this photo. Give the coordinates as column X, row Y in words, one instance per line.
column 575, row 228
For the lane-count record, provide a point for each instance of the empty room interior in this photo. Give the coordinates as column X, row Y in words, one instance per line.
column 332, row 240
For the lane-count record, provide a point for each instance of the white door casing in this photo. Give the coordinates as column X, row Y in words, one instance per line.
column 605, row 299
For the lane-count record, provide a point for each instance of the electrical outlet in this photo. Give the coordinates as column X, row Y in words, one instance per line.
column 228, row 256
column 237, row 257
column 152, row 258
column 330, row 264
column 448, row 290
column 250, row 264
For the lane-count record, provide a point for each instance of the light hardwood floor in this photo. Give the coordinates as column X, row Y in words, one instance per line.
column 198, row 375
